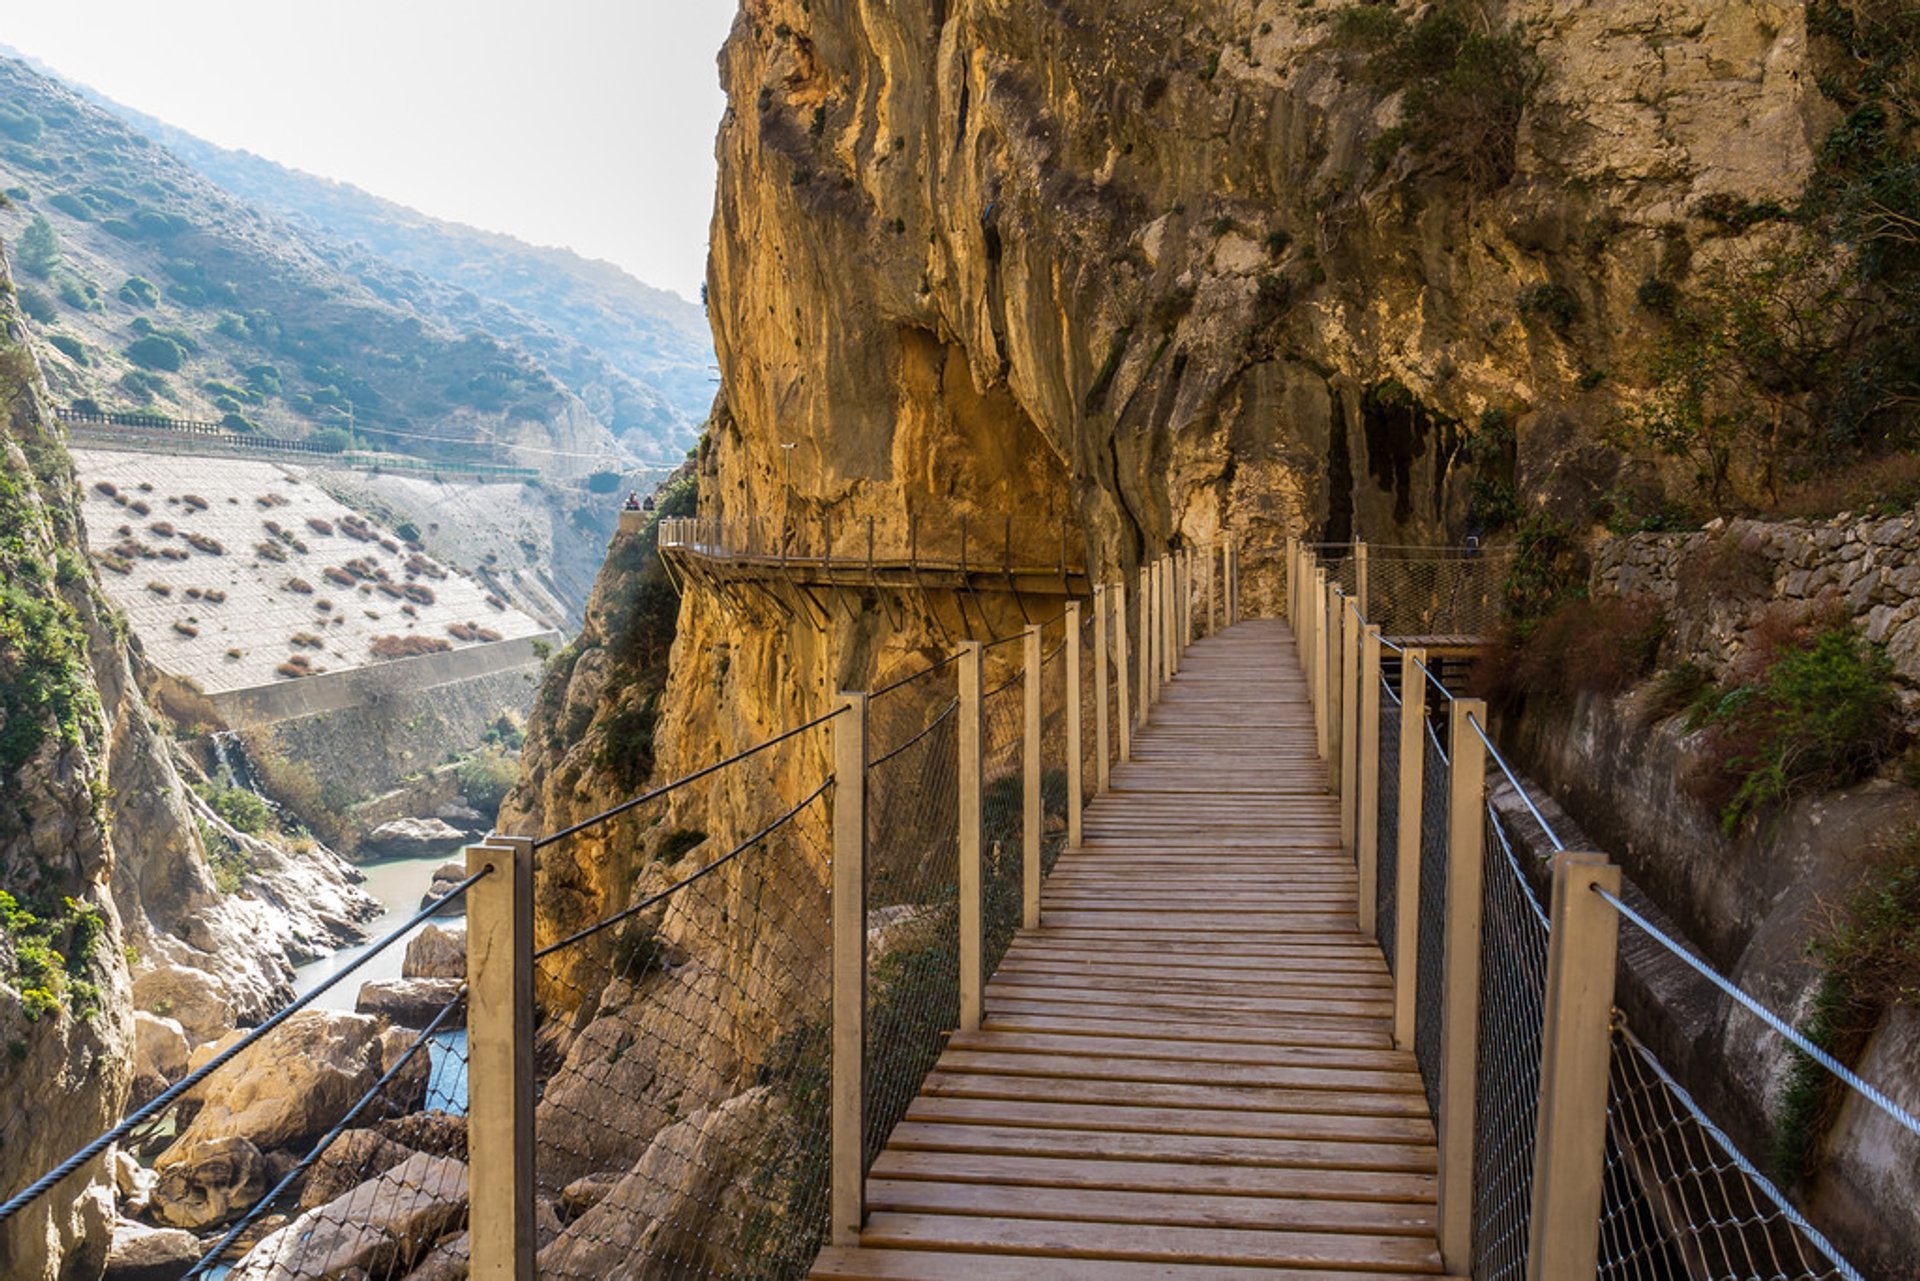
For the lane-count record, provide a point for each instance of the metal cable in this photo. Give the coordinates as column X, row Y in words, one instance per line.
column 165, row 1099
column 603, row 924
column 1894, row 1112
column 953, row 705
column 914, row 676
column 683, row 780
column 1501, row 761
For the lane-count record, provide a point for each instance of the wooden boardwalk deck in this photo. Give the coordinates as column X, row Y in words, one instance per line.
column 1188, row 1070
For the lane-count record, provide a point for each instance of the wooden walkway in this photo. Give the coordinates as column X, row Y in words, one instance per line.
column 1188, row 1070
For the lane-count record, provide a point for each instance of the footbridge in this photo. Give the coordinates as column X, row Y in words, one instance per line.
column 1149, row 940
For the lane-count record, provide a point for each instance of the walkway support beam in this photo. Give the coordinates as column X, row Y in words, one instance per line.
column 1570, row 1144
column 1460, row 981
column 849, row 932
column 1034, row 653
column 500, row 1058
column 972, row 882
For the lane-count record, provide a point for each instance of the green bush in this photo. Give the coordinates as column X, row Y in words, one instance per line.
column 156, row 352
column 70, row 347
column 68, row 203
column 38, row 250
column 1547, row 572
column 79, row 294
column 486, row 777
column 138, row 291
column 1554, row 303
column 241, row 809
column 37, row 305
column 332, row 439
column 1821, row 714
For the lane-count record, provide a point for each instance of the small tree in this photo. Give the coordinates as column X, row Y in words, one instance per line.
column 39, row 248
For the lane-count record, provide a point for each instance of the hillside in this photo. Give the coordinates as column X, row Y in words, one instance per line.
column 150, row 288
column 638, row 356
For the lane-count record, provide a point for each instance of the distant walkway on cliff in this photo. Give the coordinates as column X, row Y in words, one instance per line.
column 1189, row 1066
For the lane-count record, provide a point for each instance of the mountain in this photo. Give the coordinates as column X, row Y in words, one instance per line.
column 149, row 287
column 637, row 355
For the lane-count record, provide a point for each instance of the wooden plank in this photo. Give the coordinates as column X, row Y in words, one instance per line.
column 1402, row 1116
column 1156, row 1242
column 1137, row 1118
column 940, row 1265
column 1189, row 1209
column 1160, row 1175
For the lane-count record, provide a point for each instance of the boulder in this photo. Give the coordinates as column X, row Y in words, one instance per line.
column 133, row 1182
column 669, row 1213
column 412, row 838
column 437, row 1133
column 280, row 1094
column 380, row 1228
column 140, row 1253
column 193, row 998
column 413, row 1003
column 436, row 952
column 407, row 1091
column 208, row 1181
column 160, row 1046
column 349, row 1161
column 445, row 877
column 447, row 1261
column 584, row 1193
column 465, row 817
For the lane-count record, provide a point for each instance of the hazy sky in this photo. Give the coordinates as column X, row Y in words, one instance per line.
column 583, row 123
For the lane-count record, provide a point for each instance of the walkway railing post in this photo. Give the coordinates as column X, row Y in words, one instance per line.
column 1367, row 818
column 1350, row 691
column 1123, row 687
column 1034, row 654
column 1102, row 730
column 972, row 882
column 1317, row 608
column 500, row 1059
column 1213, row 588
column 1570, row 1143
column 1230, row 581
column 1406, row 844
column 1334, row 694
column 1163, row 601
column 1460, row 981
column 1360, row 575
column 1147, row 648
column 849, row 931
column 1076, row 749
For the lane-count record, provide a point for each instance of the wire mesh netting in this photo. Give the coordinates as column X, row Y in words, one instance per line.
column 1003, row 792
column 913, row 870
column 682, row 1066
column 1680, row 1200
column 1431, row 592
column 1387, row 824
column 1513, row 984
column 1054, row 775
column 1430, row 963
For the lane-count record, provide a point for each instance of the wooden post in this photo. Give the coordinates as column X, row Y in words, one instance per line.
column 1076, row 749
column 1350, row 691
column 1360, row 592
column 1460, row 982
column 1293, row 588
column 1146, row 644
column 972, row 882
column 849, row 933
column 1034, row 654
column 1317, row 607
column 1163, row 615
column 1213, row 590
column 1123, row 682
column 1367, row 818
column 1102, row 731
column 500, row 1058
column 1334, row 693
column 1570, row 1144
column 1406, row 845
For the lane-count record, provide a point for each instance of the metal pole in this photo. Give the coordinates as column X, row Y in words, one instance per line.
column 1076, row 753
column 1030, row 809
column 1406, row 845
column 849, row 932
column 1460, row 981
column 972, row 936
column 1570, row 1144
column 1367, row 819
column 500, row 1058
column 1102, row 731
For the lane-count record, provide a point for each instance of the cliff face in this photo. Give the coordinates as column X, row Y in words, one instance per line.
column 110, row 898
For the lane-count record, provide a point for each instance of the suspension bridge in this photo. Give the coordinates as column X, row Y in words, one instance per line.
column 1147, row 940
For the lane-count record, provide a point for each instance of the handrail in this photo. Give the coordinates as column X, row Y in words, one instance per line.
column 39, row 1187
column 1552, row 836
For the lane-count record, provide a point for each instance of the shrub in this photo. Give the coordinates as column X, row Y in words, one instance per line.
column 138, row 291
column 485, row 778
column 78, row 294
column 1548, row 570
column 385, row 648
column 1658, row 296
column 37, row 305
column 156, row 352
column 1598, row 646
column 1818, row 713
column 1554, row 303
column 241, row 809
column 1724, row 569
column 38, row 248
column 72, row 348
column 333, row 440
